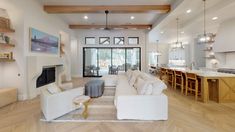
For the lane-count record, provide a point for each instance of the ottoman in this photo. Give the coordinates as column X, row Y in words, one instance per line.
column 94, row 88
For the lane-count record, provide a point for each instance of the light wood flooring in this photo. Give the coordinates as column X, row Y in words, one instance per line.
column 185, row 115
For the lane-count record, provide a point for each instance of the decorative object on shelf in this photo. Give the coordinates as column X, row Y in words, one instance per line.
column 43, row 42
column 6, row 55
column 205, row 37
column 177, row 44
column 2, row 38
column 7, row 39
column 4, row 19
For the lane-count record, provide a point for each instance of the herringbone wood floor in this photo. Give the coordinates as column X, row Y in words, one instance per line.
column 185, row 115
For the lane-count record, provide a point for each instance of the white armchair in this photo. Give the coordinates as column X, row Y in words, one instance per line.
column 58, row 104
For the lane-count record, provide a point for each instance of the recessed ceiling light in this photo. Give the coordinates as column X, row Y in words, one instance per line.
column 161, row 32
column 214, row 18
column 132, row 17
column 85, row 17
column 182, row 32
column 189, row 11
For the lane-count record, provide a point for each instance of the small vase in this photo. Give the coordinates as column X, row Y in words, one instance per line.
column 3, row 13
column 7, row 39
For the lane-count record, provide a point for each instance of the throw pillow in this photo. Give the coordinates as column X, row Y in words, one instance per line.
column 134, row 78
column 158, row 87
column 143, row 87
column 129, row 74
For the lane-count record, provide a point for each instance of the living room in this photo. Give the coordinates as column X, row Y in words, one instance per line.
column 153, row 65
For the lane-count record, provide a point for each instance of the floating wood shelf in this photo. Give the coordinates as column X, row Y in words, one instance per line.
column 6, row 60
column 6, row 45
column 7, row 30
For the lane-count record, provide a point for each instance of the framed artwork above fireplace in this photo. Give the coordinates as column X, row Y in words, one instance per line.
column 43, row 43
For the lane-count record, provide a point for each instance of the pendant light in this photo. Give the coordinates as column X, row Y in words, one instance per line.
column 157, row 51
column 205, row 37
column 106, row 20
column 177, row 44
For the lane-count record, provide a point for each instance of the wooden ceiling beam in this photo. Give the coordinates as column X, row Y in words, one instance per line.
column 136, row 26
column 56, row 9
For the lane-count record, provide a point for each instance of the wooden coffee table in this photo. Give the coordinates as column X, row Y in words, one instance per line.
column 82, row 100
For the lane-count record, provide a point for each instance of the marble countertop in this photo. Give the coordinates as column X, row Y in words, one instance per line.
column 204, row 73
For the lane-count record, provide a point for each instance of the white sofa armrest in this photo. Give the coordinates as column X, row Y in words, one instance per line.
column 56, row 105
column 144, row 107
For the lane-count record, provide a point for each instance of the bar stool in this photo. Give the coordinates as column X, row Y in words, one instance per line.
column 179, row 80
column 192, row 84
column 162, row 72
column 170, row 79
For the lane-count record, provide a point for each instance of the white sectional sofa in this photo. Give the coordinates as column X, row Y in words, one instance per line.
column 139, row 96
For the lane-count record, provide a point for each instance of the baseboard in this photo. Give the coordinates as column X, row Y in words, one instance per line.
column 22, row 97
column 76, row 76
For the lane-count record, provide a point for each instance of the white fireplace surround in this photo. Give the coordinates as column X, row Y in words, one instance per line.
column 35, row 65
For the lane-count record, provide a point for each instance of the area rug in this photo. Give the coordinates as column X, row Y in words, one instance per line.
column 100, row 109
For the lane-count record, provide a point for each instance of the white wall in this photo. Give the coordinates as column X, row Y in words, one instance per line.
column 224, row 45
column 225, row 37
column 25, row 14
column 81, row 34
column 162, row 48
column 1, row 77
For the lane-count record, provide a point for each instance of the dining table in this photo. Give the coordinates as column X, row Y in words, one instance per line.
column 224, row 84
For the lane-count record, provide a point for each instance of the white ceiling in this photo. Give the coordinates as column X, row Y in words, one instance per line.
column 97, row 18
column 193, row 23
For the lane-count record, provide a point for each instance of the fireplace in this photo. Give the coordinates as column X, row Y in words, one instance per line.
column 47, row 77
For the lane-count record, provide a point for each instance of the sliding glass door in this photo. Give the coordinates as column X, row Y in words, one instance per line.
column 102, row 61
column 91, row 67
column 133, row 59
column 118, row 59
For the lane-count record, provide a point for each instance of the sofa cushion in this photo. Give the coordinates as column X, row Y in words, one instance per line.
column 144, row 87
column 158, row 87
column 134, row 77
column 129, row 74
column 157, row 84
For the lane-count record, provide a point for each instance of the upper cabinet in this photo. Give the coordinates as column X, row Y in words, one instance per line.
column 225, row 39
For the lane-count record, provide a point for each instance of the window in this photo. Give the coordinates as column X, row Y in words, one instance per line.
column 119, row 40
column 133, row 40
column 104, row 40
column 89, row 40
